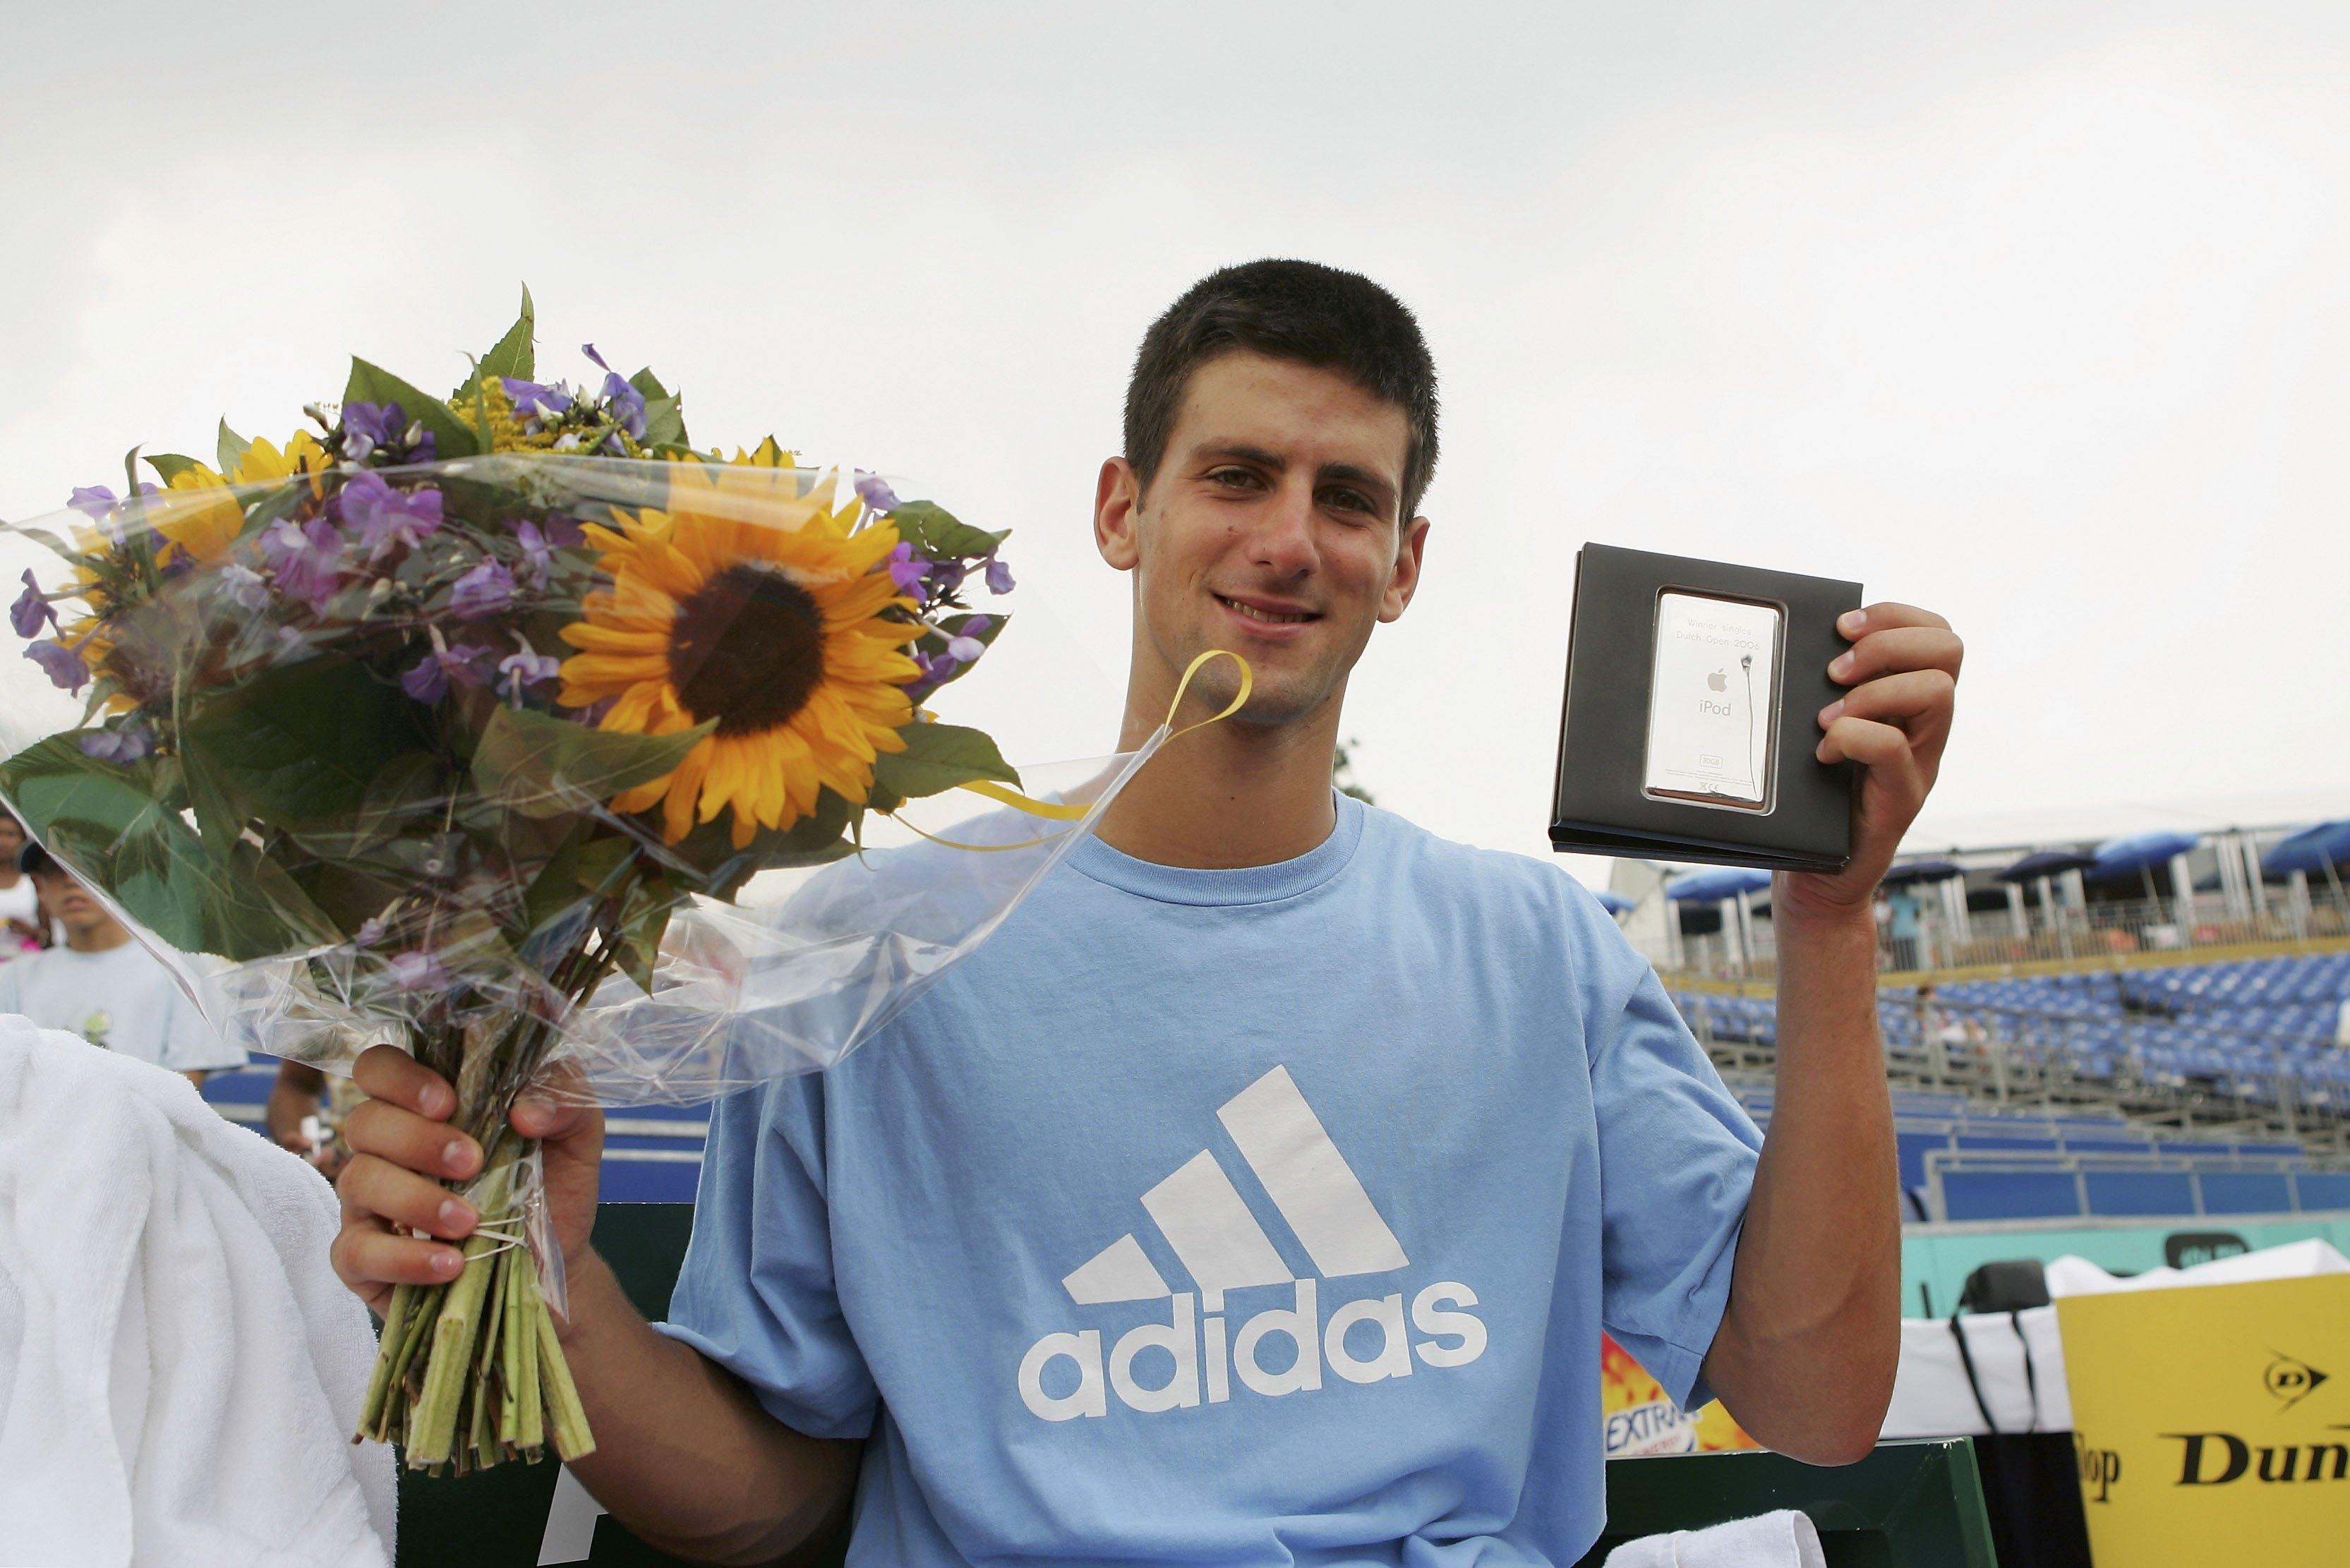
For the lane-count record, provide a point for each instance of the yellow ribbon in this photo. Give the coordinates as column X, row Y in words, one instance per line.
column 1054, row 811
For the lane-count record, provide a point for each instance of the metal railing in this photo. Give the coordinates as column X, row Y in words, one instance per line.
column 2281, row 921
column 2193, row 1072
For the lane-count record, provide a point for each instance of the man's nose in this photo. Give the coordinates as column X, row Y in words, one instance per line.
column 1283, row 540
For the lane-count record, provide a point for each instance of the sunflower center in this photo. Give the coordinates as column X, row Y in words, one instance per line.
column 747, row 649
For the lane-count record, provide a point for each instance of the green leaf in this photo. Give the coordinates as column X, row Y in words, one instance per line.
column 931, row 528
column 230, row 448
column 648, row 383
column 937, row 758
column 512, row 355
column 372, row 384
column 298, row 746
column 539, row 765
column 171, row 464
column 664, row 422
column 114, row 825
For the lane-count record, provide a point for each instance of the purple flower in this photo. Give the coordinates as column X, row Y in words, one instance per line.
column 367, row 426
column 370, row 932
column 936, row 671
column 307, row 559
column 623, row 404
column 965, row 646
column 999, row 576
column 430, row 678
column 482, row 592
column 907, row 570
column 31, row 611
column 876, row 492
column 64, row 665
column 243, row 586
column 537, row 549
column 947, row 576
column 417, row 969
column 95, row 501
column 533, row 400
column 126, row 744
column 517, row 670
column 386, row 516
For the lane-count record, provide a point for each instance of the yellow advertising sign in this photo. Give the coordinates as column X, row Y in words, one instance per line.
column 2212, row 1422
column 1640, row 1418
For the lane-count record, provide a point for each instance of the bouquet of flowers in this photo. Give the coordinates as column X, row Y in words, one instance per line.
column 464, row 724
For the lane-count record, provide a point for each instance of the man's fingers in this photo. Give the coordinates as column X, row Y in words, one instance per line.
column 1898, row 649
column 537, row 1115
column 1859, row 623
column 1868, row 743
column 1902, row 699
column 366, row 1258
column 403, row 1138
column 370, row 1185
column 392, row 1074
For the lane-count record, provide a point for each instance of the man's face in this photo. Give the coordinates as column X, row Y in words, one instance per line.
column 1272, row 529
column 68, row 902
column 11, row 840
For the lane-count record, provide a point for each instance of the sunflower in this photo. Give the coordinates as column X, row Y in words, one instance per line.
column 203, row 520
column 751, row 603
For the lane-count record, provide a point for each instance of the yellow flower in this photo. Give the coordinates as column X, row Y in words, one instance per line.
column 751, row 603
column 506, row 433
column 199, row 516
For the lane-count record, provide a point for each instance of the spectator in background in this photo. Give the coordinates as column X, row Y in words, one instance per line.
column 305, row 1114
column 23, row 928
column 105, row 987
column 1901, row 927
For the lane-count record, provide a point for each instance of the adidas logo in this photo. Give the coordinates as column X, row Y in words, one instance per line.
column 1212, row 1233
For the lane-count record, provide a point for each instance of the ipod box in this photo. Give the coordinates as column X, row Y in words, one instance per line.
column 1693, row 692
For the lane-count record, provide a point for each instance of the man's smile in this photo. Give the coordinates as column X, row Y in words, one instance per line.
column 1268, row 616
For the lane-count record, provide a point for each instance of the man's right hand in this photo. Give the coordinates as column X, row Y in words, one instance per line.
column 402, row 1148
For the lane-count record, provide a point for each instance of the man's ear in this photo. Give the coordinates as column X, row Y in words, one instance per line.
column 1406, row 581
column 1117, row 501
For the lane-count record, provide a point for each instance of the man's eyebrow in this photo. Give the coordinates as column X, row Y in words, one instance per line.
column 1339, row 472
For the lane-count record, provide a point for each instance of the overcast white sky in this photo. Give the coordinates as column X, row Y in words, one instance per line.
column 2038, row 314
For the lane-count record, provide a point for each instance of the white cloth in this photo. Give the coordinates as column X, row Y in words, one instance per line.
column 1782, row 1539
column 180, row 1370
column 121, row 999
column 1931, row 1397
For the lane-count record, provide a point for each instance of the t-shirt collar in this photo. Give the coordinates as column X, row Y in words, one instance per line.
column 1241, row 885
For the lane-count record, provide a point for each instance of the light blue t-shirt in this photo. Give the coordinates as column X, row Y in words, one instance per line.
column 1267, row 1216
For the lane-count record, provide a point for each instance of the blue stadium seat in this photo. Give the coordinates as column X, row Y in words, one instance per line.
column 2246, row 1192
column 2134, row 1192
column 2010, row 1195
column 2321, row 1190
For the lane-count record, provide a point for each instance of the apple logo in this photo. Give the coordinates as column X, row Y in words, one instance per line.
column 1719, row 681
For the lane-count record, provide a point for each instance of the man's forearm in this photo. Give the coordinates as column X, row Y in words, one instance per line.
column 1806, row 1352
column 685, row 1457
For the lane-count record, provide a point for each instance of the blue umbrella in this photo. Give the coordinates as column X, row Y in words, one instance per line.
column 1615, row 903
column 1921, row 871
column 1712, row 887
column 2314, row 848
column 2140, row 852
column 2046, row 863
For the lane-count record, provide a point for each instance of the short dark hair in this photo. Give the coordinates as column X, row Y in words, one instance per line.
column 1295, row 310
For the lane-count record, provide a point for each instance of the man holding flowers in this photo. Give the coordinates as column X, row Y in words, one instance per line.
column 1261, row 1190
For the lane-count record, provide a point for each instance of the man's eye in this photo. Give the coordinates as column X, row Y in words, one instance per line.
column 1349, row 500
column 1233, row 477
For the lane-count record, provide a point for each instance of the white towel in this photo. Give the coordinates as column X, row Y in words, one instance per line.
column 180, row 1370
column 1782, row 1539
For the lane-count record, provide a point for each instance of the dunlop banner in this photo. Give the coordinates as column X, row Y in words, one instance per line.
column 2212, row 1422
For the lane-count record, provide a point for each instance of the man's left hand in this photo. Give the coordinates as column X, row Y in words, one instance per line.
column 1903, row 668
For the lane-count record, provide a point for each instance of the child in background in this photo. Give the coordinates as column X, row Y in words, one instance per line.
column 23, row 928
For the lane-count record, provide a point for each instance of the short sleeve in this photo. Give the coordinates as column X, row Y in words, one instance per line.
column 190, row 1044
column 756, row 1293
column 1677, row 1156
